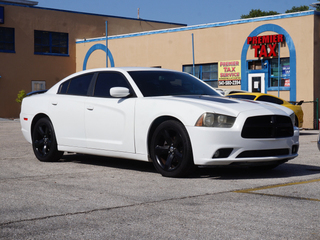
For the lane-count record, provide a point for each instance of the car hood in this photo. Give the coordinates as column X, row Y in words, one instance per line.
column 224, row 105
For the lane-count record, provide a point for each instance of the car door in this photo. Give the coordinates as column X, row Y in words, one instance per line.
column 109, row 121
column 67, row 108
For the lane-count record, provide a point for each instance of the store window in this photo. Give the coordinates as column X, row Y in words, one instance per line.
column 206, row 72
column 51, row 43
column 281, row 73
column 1, row 15
column 38, row 85
column 7, row 39
column 255, row 65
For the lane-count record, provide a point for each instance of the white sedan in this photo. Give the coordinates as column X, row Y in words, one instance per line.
column 168, row 117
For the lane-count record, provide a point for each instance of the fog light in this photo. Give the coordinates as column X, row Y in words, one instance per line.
column 222, row 153
column 295, row 149
column 216, row 154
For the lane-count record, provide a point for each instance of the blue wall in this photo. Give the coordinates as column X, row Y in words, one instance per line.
column 292, row 51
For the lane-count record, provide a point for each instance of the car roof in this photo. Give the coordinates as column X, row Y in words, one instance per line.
column 126, row 69
column 123, row 70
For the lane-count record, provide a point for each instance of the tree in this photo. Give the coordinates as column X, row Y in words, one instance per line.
column 22, row 94
column 298, row 9
column 258, row 13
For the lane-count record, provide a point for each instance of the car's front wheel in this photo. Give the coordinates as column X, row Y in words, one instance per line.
column 171, row 150
column 44, row 141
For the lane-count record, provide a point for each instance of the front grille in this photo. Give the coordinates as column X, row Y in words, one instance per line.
column 270, row 126
column 264, row 153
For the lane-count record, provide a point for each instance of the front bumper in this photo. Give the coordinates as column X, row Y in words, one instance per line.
column 25, row 122
column 236, row 150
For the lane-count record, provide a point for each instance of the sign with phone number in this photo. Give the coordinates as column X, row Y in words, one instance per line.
column 229, row 82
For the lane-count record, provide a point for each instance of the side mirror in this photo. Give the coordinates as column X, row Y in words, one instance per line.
column 119, row 92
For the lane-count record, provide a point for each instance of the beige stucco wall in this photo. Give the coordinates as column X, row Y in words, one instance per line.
column 18, row 69
column 174, row 49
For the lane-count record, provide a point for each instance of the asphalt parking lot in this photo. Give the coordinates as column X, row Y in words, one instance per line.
column 87, row 197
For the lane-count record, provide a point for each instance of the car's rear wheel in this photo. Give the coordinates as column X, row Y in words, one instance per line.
column 171, row 150
column 44, row 142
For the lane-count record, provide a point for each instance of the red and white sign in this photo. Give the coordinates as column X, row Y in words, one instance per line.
column 287, row 82
column 265, row 46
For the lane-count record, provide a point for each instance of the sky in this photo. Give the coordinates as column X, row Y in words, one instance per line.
column 185, row 12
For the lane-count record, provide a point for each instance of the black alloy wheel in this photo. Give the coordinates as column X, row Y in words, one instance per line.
column 171, row 150
column 44, row 142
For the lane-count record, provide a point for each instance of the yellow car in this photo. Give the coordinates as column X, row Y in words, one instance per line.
column 273, row 99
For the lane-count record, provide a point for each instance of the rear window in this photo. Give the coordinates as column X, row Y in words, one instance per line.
column 270, row 99
column 249, row 97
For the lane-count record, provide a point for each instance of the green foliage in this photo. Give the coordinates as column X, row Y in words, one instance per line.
column 22, row 94
column 258, row 13
column 298, row 9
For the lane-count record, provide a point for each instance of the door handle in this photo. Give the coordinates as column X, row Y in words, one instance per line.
column 54, row 103
column 90, row 108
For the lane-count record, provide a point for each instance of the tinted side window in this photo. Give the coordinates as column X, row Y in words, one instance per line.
column 64, row 87
column 107, row 80
column 76, row 86
column 270, row 99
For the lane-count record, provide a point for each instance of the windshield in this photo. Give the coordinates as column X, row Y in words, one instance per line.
column 164, row 83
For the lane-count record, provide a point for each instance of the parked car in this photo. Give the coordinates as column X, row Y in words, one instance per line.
column 168, row 117
column 273, row 99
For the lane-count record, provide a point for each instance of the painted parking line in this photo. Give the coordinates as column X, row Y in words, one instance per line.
column 253, row 190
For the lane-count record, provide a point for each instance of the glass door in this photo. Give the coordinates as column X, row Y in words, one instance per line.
column 256, row 82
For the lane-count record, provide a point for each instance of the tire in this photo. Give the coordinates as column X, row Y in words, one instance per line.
column 171, row 151
column 44, row 141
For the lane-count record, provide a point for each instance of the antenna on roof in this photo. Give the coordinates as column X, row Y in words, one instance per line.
column 138, row 13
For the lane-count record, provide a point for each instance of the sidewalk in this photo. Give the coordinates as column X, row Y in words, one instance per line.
column 9, row 119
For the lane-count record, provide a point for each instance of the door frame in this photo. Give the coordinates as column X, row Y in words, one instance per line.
column 263, row 81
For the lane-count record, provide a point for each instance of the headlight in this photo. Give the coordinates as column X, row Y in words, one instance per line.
column 215, row 120
column 293, row 118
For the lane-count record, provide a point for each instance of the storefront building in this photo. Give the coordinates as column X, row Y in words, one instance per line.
column 278, row 55
column 38, row 45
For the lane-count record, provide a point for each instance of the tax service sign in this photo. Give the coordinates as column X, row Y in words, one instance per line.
column 229, row 73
